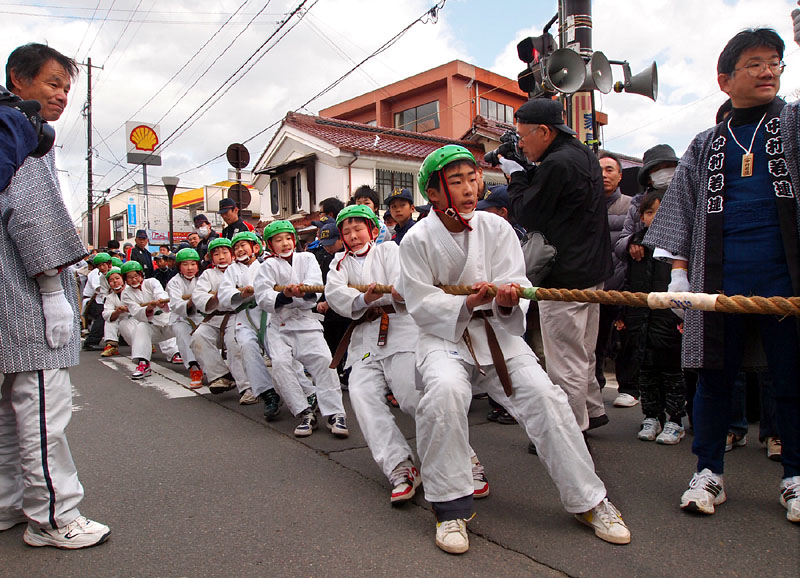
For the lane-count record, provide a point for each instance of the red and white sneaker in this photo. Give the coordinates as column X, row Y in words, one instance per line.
column 196, row 374
column 176, row 359
column 404, row 479
column 479, row 480
column 142, row 370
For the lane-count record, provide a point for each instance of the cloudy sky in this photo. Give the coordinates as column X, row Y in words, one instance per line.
column 168, row 62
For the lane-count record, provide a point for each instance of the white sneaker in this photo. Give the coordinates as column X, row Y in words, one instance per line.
column 625, row 400
column 650, row 428
column 706, row 490
column 337, row 423
column 307, row 425
column 248, row 398
column 451, row 536
column 735, row 440
column 404, row 479
column 80, row 533
column 479, row 481
column 11, row 522
column 790, row 498
column 672, row 434
column 607, row 523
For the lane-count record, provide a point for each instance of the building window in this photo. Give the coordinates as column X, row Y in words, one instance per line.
column 388, row 181
column 117, row 226
column 497, row 111
column 274, row 198
column 295, row 193
column 418, row 119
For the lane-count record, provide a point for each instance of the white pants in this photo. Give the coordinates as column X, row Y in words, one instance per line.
column 569, row 335
column 125, row 327
column 37, row 474
column 183, row 336
column 309, row 348
column 368, row 382
column 538, row 405
column 205, row 345
column 251, row 356
column 146, row 334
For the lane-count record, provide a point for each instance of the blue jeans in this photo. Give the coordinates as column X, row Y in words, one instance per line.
column 715, row 392
column 766, row 424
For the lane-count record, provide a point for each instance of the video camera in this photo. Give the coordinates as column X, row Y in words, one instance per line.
column 45, row 133
column 509, row 149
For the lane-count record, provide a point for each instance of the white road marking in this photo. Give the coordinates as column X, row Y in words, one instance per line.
column 166, row 381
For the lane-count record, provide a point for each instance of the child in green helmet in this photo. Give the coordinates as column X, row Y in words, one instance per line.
column 115, row 313
column 183, row 313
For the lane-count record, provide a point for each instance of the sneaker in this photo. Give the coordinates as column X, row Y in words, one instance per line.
column 337, row 423
column 196, row 375
column 706, row 490
column 735, row 441
column 391, row 400
column 451, row 536
column 176, row 359
column 307, row 425
column 625, row 400
column 649, row 429
column 312, row 402
column 267, row 361
column 501, row 416
column 221, row 385
column 479, row 481
column 80, row 533
column 774, row 448
column 272, row 406
column 790, row 498
column 599, row 421
column 404, row 479
column 672, row 434
column 110, row 349
column 248, row 398
column 11, row 522
column 607, row 523
column 142, row 370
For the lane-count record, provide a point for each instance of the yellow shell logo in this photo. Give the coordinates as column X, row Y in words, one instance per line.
column 144, row 138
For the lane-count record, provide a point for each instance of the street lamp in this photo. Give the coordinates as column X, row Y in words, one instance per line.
column 170, row 183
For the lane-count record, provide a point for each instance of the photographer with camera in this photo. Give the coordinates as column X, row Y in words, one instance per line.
column 563, row 199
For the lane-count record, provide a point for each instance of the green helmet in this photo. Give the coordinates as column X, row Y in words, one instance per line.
column 101, row 258
column 219, row 242
column 357, row 212
column 439, row 159
column 112, row 271
column 276, row 227
column 187, row 254
column 116, row 262
column 131, row 266
column 247, row 236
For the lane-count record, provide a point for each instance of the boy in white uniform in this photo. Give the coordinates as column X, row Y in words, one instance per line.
column 115, row 313
column 294, row 332
column 183, row 313
column 248, row 323
column 153, row 318
column 477, row 339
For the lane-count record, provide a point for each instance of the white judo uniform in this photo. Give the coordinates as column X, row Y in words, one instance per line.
column 124, row 324
column 245, row 324
column 206, row 341
column 430, row 255
column 154, row 328
column 183, row 319
column 374, row 366
column 294, row 333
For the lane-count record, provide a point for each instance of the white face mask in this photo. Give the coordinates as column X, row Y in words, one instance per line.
column 222, row 267
column 363, row 250
column 187, row 278
column 662, row 177
column 135, row 285
column 467, row 216
column 243, row 259
column 204, row 231
column 286, row 254
column 391, row 230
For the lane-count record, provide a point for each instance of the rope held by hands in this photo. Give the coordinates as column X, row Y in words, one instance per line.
column 682, row 300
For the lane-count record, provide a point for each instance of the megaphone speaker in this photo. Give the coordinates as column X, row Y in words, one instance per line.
column 644, row 83
column 565, row 71
column 598, row 74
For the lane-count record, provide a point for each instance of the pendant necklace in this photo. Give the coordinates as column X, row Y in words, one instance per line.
column 747, row 157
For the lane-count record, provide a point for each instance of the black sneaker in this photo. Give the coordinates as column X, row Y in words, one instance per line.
column 599, row 421
column 272, row 404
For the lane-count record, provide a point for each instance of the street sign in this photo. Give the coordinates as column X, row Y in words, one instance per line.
column 240, row 195
column 131, row 212
column 238, row 156
column 142, row 141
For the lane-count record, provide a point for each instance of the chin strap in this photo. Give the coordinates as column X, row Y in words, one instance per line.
column 450, row 211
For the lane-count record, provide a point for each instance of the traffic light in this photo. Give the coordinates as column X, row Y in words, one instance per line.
column 533, row 50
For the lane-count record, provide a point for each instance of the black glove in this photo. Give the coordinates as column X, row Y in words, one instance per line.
column 45, row 133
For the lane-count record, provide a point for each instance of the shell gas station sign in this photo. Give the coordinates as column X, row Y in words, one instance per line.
column 142, row 142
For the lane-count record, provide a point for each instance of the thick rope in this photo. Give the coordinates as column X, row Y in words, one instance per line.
column 685, row 300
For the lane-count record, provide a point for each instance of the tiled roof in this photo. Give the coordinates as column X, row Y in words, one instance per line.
column 374, row 140
column 487, row 128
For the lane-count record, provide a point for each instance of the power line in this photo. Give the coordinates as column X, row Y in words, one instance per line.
column 140, row 21
column 88, row 26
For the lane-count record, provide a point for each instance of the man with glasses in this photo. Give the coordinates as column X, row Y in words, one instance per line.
column 729, row 223
column 563, row 199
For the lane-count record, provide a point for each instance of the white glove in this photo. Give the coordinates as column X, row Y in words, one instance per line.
column 796, row 24
column 679, row 283
column 58, row 318
column 509, row 166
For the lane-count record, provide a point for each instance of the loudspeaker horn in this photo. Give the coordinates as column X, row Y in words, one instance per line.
column 598, row 74
column 565, row 71
column 644, row 83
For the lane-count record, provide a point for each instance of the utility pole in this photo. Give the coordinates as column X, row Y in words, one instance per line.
column 89, row 154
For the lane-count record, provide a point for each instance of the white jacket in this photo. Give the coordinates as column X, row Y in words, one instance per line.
column 303, row 270
column 149, row 290
column 177, row 287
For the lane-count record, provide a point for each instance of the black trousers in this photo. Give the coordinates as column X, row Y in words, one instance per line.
column 94, row 316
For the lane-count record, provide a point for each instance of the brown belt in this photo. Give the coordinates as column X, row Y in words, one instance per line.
column 371, row 314
column 498, row 359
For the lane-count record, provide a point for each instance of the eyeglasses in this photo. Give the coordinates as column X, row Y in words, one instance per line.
column 756, row 69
